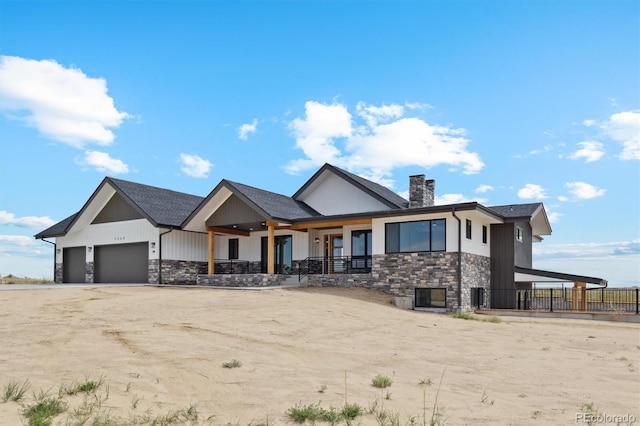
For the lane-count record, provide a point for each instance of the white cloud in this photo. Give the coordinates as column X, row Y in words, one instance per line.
column 18, row 240
column 481, row 189
column 34, row 222
column 532, row 191
column 546, row 148
column 246, row 129
column 590, row 151
column 563, row 198
column 386, row 140
column 624, row 127
column 102, row 162
column 195, row 166
column 374, row 114
column 589, row 123
column 315, row 134
column 64, row 104
column 553, row 217
column 588, row 250
column 584, row 191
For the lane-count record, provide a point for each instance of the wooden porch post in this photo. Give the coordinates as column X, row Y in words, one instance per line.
column 579, row 292
column 211, row 266
column 270, row 248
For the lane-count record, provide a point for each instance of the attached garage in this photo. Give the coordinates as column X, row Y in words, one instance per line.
column 121, row 263
column 74, row 264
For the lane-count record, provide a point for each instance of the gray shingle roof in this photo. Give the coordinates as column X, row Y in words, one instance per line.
column 58, row 229
column 277, row 206
column 516, row 210
column 161, row 206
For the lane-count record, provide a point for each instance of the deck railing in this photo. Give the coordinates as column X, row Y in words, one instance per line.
column 560, row 299
column 334, row 265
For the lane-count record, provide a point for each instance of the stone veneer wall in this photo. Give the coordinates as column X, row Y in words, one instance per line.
column 476, row 272
column 58, row 273
column 400, row 273
column 241, row 280
column 153, row 271
column 180, row 271
column 88, row 272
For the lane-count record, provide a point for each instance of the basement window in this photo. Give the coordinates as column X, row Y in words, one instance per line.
column 431, row 298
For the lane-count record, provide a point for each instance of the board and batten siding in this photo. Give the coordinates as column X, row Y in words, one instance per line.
column 334, row 195
column 249, row 247
column 181, row 245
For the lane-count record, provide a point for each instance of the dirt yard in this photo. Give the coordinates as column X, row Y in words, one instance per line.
column 161, row 351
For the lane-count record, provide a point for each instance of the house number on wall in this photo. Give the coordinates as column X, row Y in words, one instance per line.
column 119, row 238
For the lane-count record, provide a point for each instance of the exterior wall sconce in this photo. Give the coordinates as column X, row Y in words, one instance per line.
column 317, row 240
column 58, row 251
column 153, row 245
column 89, row 249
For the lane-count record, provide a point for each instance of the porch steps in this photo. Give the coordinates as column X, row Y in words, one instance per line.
column 293, row 281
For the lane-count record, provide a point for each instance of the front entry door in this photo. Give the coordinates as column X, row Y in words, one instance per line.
column 282, row 254
column 333, row 254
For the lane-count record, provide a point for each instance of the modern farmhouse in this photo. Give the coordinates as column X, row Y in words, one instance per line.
column 338, row 229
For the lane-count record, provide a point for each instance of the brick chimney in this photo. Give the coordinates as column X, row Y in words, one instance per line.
column 421, row 191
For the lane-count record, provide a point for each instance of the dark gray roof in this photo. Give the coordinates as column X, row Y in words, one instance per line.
column 276, row 206
column 516, row 210
column 162, row 207
column 376, row 190
column 58, row 229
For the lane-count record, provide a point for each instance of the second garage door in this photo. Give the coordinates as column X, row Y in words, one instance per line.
column 121, row 263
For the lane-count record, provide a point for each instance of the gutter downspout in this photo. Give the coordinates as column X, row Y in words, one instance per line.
column 160, row 255
column 453, row 212
column 54, row 257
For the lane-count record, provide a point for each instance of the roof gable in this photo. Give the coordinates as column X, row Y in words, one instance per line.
column 365, row 194
column 535, row 213
column 161, row 207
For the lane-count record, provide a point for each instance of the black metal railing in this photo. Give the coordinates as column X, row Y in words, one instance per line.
column 231, row 266
column 560, row 299
column 335, row 265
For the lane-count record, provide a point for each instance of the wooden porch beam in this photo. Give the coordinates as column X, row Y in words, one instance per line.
column 333, row 224
column 221, row 230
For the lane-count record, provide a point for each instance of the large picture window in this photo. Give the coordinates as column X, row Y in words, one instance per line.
column 423, row 235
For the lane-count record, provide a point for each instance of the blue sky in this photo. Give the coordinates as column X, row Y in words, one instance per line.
column 498, row 101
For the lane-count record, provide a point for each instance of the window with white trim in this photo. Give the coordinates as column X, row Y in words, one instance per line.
column 518, row 234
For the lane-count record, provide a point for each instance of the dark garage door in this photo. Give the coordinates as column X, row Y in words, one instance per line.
column 74, row 264
column 121, row 263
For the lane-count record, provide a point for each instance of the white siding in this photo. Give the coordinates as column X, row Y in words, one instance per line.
column 333, row 195
column 181, row 245
column 474, row 246
column 249, row 247
column 130, row 231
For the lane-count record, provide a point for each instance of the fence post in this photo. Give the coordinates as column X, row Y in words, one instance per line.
column 518, row 293
column 550, row 300
column 637, row 292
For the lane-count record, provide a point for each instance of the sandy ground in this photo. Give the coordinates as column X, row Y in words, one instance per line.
column 161, row 350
